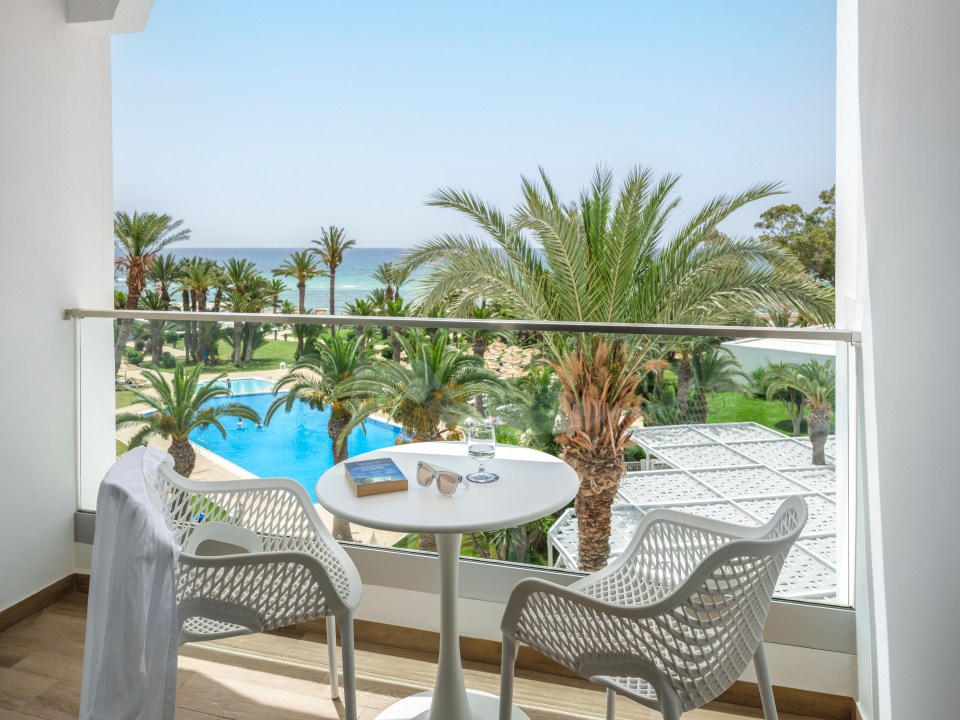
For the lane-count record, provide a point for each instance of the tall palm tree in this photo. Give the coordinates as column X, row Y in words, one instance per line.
column 715, row 370
column 817, row 382
column 199, row 275
column 179, row 408
column 139, row 238
column 301, row 266
column 276, row 289
column 606, row 258
column 330, row 249
column 315, row 380
column 429, row 395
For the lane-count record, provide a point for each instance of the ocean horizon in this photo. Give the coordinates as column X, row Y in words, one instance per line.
column 354, row 276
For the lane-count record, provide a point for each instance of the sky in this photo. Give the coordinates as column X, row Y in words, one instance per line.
column 259, row 123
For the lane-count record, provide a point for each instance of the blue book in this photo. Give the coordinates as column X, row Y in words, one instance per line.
column 375, row 476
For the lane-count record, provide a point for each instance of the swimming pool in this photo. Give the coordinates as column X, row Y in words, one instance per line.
column 245, row 386
column 294, row 445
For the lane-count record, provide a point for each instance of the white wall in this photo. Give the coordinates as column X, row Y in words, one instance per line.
column 56, row 206
column 909, row 109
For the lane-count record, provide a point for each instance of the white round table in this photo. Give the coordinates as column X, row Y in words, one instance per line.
column 532, row 484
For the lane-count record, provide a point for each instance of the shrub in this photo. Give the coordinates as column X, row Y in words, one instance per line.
column 171, row 337
column 168, row 361
column 139, row 345
column 387, row 353
column 133, row 357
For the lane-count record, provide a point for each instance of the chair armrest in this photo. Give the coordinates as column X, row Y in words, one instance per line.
column 253, row 579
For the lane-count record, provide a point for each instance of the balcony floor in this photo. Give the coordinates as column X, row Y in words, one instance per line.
column 272, row 675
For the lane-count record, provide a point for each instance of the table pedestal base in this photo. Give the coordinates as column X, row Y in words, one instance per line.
column 483, row 706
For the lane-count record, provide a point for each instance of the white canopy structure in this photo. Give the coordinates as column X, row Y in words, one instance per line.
column 737, row 472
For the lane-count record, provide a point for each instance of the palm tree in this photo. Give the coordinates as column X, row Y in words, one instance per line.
column 301, row 266
column 199, row 275
column 153, row 301
column 606, row 258
column 793, row 401
column 316, row 380
column 715, row 370
column 164, row 274
column 139, row 238
column 479, row 339
column 817, row 382
column 392, row 276
column 276, row 289
column 179, row 408
column 429, row 395
column 362, row 308
column 534, row 407
column 331, row 246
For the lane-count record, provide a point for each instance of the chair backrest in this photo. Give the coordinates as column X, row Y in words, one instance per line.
column 720, row 580
column 707, row 585
column 275, row 514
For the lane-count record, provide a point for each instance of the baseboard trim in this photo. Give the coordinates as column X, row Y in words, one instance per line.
column 823, row 706
column 38, row 601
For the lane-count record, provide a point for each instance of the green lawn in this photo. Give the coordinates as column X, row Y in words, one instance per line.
column 125, row 398
column 267, row 357
column 734, row 407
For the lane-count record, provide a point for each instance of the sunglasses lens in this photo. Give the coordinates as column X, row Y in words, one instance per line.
column 424, row 475
column 447, row 483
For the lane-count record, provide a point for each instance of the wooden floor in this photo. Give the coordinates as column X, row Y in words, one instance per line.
column 267, row 676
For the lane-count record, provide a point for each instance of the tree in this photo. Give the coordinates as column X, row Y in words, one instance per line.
column 164, row 274
column 139, row 238
column 316, row 380
column 606, row 258
column 301, row 266
column 331, row 247
column 817, row 382
column 362, row 308
column 479, row 339
column 392, row 276
column 533, row 408
column 812, row 236
column 429, row 395
column 180, row 406
column 793, row 400
column 153, row 301
column 715, row 370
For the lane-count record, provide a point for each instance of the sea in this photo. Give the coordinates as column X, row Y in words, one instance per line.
column 354, row 276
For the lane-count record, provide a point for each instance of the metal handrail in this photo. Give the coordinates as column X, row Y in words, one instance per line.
column 815, row 333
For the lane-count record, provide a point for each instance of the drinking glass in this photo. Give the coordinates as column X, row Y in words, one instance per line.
column 482, row 446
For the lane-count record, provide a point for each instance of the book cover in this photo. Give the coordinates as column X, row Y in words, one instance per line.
column 375, row 476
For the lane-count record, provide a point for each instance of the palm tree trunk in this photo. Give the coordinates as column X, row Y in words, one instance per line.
column 302, row 288
column 339, row 419
column 236, row 343
column 333, row 282
column 134, row 288
column 184, row 458
column 156, row 341
column 684, row 377
column 600, row 470
column 427, row 542
column 698, row 407
column 795, row 411
column 395, row 344
column 248, row 347
column 818, row 428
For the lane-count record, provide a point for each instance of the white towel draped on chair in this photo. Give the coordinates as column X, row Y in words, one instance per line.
column 130, row 656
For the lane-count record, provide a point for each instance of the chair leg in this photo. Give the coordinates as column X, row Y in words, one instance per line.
column 763, row 681
column 332, row 656
column 349, row 669
column 508, row 658
column 611, row 704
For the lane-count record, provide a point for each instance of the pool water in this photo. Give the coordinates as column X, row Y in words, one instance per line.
column 294, row 445
column 246, row 386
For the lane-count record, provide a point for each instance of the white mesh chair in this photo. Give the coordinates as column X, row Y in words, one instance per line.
column 256, row 556
column 672, row 622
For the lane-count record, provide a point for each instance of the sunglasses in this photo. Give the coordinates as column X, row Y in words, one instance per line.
column 447, row 480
